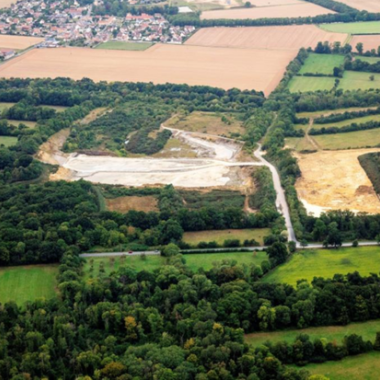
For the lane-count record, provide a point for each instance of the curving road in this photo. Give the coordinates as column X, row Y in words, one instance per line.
column 281, row 203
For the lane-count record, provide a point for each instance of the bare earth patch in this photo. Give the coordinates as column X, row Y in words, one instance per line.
column 335, row 180
column 125, row 204
column 281, row 11
column 194, row 65
column 17, row 42
column 265, row 37
column 363, row 5
column 369, row 42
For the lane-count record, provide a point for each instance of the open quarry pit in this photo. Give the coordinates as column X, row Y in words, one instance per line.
column 215, row 166
column 335, row 180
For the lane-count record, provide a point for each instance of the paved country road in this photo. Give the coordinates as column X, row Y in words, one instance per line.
column 218, row 250
column 281, row 204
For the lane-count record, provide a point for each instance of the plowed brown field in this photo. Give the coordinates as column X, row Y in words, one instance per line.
column 266, row 37
column 18, row 42
column 260, row 70
column 280, row 11
column 363, row 5
column 369, row 42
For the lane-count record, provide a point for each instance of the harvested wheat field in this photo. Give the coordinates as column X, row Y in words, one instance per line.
column 265, row 37
column 335, row 180
column 125, row 204
column 369, row 42
column 225, row 68
column 280, row 11
column 18, row 42
column 363, row 5
column 6, row 3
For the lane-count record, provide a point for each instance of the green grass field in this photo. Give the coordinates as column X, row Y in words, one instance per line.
column 220, row 236
column 306, row 84
column 340, row 124
column 361, row 367
column 325, row 263
column 368, row 59
column 299, row 144
column 353, row 80
column 29, row 124
column 6, row 105
column 315, row 114
column 339, row 141
column 8, row 141
column 367, row 330
column 321, row 63
column 119, row 45
column 28, row 283
column 194, row 261
column 366, row 27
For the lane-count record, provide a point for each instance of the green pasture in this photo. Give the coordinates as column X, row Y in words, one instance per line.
column 27, row 283
column 365, row 27
column 307, row 84
column 326, row 263
column 29, row 124
column 150, row 263
column 119, row 45
column 321, row 63
column 371, row 60
column 8, row 141
column 299, row 144
column 316, row 114
column 340, row 124
column 355, row 80
column 362, row 139
column 336, row 334
column 361, row 367
column 219, row 236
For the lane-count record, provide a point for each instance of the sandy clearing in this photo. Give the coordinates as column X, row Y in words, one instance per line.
column 363, row 5
column 124, row 204
column 265, row 37
column 18, row 42
column 225, row 68
column 144, row 171
column 281, row 11
column 369, row 42
column 335, row 180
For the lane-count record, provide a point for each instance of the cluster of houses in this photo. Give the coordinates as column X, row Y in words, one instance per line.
column 68, row 23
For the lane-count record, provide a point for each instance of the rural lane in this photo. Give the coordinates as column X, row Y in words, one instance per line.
column 281, row 203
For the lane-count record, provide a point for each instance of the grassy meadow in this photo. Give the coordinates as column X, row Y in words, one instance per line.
column 207, row 122
column 219, row 236
column 29, row 124
column 119, row 45
column 325, row 263
column 354, row 80
column 8, row 141
column 339, row 141
column 316, row 114
column 321, row 63
column 194, row 261
column 367, row 330
column 365, row 27
column 340, row 124
column 363, row 367
column 27, row 283
column 307, row 84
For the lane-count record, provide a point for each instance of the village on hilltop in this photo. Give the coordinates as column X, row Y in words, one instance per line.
column 63, row 23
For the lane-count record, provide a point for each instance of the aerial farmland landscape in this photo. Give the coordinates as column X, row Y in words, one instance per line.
column 190, row 189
